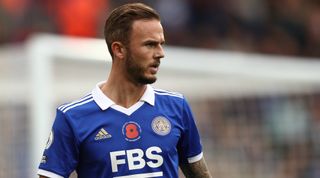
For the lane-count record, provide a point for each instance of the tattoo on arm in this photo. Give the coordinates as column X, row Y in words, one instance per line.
column 197, row 169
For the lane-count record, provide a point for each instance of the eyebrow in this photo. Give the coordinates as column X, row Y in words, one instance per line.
column 150, row 41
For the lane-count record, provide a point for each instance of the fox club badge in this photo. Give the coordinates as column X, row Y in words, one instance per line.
column 161, row 125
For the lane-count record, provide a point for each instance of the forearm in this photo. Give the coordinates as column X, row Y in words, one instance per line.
column 198, row 169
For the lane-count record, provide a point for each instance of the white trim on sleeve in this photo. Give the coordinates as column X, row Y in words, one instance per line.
column 195, row 158
column 48, row 174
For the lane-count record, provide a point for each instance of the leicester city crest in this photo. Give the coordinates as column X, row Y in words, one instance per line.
column 161, row 125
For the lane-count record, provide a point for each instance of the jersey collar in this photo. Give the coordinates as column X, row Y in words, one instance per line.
column 105, row 102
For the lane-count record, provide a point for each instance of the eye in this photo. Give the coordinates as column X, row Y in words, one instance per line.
column 151, row 44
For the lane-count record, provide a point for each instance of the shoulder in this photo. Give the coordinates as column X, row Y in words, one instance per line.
column 169, row 99
column 168, row 94
column 81, row 105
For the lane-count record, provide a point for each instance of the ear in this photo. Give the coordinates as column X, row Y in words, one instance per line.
column 118, row 49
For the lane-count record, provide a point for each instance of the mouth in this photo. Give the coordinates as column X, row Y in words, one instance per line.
column 154, row 67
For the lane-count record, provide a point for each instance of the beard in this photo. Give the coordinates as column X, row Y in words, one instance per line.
column 136, row 72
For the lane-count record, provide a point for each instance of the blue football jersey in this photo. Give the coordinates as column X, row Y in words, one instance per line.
column 100, row 139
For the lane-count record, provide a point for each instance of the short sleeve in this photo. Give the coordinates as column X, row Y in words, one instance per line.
column 189, row 147
column 60, row 156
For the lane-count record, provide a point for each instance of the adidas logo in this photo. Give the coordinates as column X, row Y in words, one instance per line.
column 102, row 134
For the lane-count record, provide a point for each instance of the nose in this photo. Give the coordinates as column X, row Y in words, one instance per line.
column 159, row 52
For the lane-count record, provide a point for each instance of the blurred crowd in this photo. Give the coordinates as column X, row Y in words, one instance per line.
column 262, row 137
column 285, row 27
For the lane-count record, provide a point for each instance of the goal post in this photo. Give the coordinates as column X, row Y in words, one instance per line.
column 42, row 53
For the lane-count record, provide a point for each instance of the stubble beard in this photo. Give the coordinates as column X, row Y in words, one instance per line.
column 136, row 72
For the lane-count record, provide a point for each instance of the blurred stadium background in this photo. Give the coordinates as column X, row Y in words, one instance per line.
column 250, row 69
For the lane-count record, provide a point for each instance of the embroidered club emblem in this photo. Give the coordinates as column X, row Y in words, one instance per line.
column 161, row 125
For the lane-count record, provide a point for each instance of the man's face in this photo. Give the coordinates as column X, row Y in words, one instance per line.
column 144, row 51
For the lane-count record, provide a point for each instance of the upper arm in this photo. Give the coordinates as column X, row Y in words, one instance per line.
column 192, row 162
column 60, row 156
column 189, row 145
column 197, row 169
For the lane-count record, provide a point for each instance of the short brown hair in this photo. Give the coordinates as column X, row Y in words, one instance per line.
column 118, row 26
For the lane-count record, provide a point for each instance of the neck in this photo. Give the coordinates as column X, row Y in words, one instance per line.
column 123, row 92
